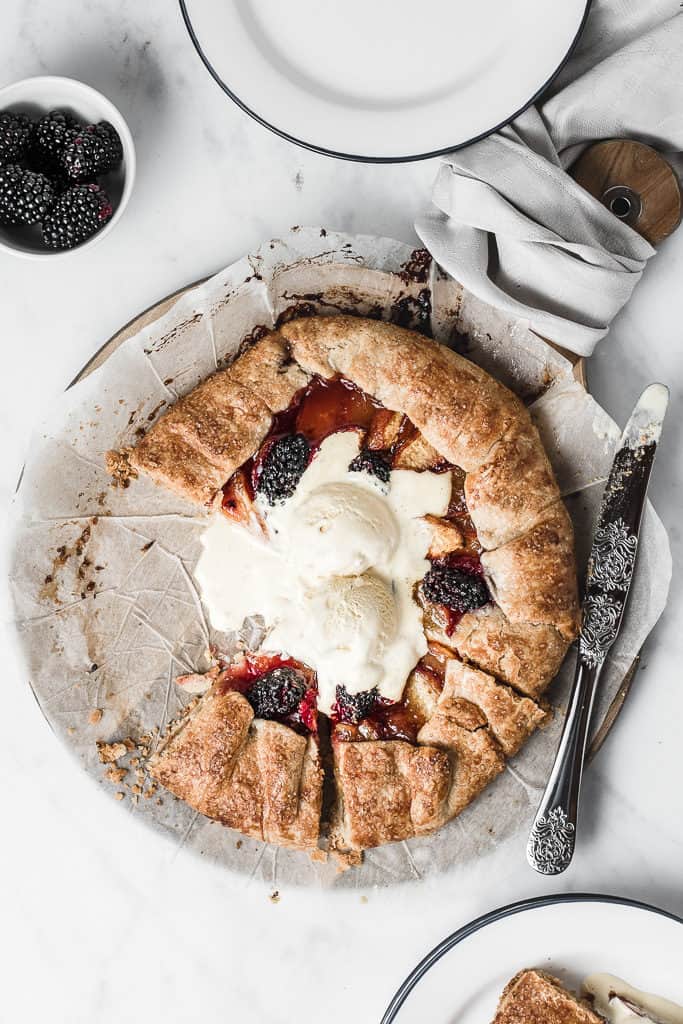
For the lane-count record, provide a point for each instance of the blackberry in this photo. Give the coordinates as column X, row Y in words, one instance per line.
column 283, row 466
column 15, row 133
column 374, row 462
column 50, row 137
column 95, row 149
column 25, row 196
column 76, row 215
column 277, row 694
column 454, row 589
column 352, row 707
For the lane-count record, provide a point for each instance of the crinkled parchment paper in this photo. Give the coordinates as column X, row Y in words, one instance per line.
column 107, row 612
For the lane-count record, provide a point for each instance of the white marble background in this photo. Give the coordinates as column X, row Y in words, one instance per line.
column 101, row 920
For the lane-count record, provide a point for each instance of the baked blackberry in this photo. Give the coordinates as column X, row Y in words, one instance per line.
column 95, row 149
column 76, row 215
column 50, row 137
column 15, row 134
column 278, row 693
column 25, row 196
column 283, row 467
column 353, row 707
column 374, row 462
column 455, row 589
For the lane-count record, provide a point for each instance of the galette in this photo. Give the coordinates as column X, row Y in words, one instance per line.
column 385, row 510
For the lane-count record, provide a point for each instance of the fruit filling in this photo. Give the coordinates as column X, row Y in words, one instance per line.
column 281, row 466
column 368, row 716
column 279, row 689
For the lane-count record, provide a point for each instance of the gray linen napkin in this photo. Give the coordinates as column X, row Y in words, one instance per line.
column 514, row 228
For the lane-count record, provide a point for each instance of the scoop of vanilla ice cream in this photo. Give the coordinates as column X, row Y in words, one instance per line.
column 341, row 529
column 356, row 621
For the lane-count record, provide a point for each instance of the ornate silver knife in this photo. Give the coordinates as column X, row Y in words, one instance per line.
column 610, row 570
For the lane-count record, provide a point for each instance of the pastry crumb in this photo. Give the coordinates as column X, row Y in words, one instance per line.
column 115, row 774
column 274, row 896
column 119, row 467
column 119, row 795
column 95, row 716
column 347, row 859
column 111, row 752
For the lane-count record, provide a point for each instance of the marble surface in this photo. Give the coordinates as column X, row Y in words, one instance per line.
column 101, row 919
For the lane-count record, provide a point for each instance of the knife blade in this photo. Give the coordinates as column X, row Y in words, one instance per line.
column 611, row 564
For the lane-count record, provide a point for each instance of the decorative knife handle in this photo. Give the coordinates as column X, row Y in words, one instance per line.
column 551, row 841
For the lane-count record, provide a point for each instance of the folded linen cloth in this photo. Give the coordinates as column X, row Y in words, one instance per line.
column 514, row 228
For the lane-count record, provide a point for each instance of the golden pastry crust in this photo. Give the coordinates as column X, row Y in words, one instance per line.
column 203, row 438
column 387, row 790
column 509, row 490
column 510, row 718
column 170, row 460
column 534, row 997
column 256, row 776
column 209, row 433
column 269, row 371
column 456, row 406
column 533, row 578
column 521, row 654
column 460, row 729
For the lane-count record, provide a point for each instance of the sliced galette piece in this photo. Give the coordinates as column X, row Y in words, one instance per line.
column 258, row 775
column 386, row 791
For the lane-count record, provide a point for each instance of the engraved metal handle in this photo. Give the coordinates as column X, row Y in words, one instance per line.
column 553, row 833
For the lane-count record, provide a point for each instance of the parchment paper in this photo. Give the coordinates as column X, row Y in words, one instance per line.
column 107, row 613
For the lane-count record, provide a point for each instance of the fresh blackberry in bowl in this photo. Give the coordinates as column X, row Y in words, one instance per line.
column 15, row 135
column 25, row 196
column 455, row 589
column 95, row 149
column 374, row 462
column 353, row 707
column 283, row 467
column 278, row 693
column 49, row 138
column 76, row 215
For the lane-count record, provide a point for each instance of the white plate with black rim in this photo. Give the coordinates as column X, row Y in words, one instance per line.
column 569, row 936
column 384, row 80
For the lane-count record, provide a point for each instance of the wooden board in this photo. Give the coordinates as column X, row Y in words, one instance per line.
column 161, row 307
column 635, row 183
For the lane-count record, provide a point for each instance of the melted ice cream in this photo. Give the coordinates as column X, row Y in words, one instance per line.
column 620, row 1003
column 334, row 578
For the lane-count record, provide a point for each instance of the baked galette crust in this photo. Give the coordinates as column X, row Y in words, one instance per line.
column 259, row 777
column 262, row 777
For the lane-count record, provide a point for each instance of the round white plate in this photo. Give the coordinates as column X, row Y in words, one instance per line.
column 383, row 80
column 568, row 936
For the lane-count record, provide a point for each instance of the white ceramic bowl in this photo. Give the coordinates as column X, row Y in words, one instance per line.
column 36, row 96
